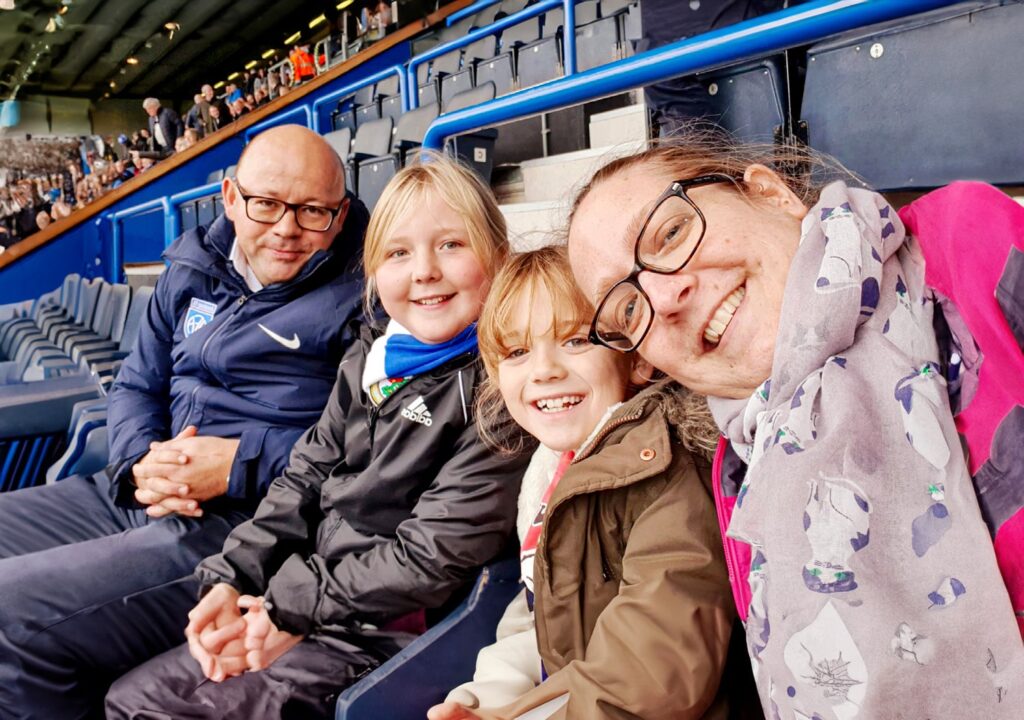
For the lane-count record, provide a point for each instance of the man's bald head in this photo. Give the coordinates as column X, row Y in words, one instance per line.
column 294, row 144
column 293, row 166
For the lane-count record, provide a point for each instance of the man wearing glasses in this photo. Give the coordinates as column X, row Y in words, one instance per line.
column 236, row 357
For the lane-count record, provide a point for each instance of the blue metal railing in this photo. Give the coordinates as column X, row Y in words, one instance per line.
column 469, row 10
column 767, row 34
column 275, row 120
column 351, row 88
column 117, row 243
column 172, row 222
column 568, row 44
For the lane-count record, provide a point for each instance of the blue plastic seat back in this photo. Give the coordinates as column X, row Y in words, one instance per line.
column 120, row 303
column 750, row 99
column 133, row 321
column 421, row 675
column 341, row 141
column 923, row 101
column 373, row 138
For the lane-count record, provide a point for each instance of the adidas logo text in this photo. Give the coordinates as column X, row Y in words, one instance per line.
column 417, row 412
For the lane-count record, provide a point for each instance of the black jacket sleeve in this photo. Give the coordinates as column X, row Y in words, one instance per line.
column 286, row 520
column 459, row 523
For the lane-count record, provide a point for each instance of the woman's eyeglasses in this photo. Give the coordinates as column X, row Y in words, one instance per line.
column 667, row 241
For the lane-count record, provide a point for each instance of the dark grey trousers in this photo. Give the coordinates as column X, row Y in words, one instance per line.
column 303, row 683
column 89, row 590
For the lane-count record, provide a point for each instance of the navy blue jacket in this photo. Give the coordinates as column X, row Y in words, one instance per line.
column 236, row 364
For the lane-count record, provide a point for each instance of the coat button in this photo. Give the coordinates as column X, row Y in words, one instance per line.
column 647, row 454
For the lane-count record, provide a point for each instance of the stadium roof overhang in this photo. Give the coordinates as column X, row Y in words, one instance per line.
column 139, row 48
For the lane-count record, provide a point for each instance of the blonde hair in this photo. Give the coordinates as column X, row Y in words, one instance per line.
column 460, row 188
column 521, row 277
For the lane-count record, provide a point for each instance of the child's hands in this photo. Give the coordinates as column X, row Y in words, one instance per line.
column 451, row 711
column 264, row 643
column 216, row 633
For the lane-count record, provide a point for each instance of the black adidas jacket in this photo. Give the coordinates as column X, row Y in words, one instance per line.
column 379, row 512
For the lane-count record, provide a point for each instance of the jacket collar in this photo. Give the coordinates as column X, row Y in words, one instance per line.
column 633, row 445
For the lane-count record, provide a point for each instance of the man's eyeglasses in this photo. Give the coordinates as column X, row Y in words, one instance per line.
column 270, row 211
column 667, row 241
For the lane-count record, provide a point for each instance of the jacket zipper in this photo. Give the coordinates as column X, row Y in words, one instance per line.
column 202, row 355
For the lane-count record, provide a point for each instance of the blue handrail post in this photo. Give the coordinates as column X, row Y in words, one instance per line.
column 276, row 120
column 117, row 234
column 569, row 38
column 798, row 25
column 116, row 244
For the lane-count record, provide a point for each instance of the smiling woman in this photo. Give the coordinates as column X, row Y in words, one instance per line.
column 807, row 317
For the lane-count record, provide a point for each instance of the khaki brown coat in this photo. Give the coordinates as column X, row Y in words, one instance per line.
column 633, row 607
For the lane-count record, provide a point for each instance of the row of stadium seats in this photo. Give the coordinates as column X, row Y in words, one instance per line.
column 380, row 146
column 61, row 349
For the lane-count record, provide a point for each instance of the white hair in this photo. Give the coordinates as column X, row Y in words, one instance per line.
column 150, row 102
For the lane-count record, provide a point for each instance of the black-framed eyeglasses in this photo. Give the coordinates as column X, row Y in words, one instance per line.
column 270, row 211
column 667, row 241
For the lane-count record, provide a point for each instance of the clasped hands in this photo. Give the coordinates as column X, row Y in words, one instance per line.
column 177, row 475
column 226, row 642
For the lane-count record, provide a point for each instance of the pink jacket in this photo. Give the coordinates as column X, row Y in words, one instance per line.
column 972, row 237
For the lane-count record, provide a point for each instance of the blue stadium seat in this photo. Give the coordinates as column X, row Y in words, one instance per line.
column 921, row 102
column 421, row 675
column 86, row 450
column 374, row 173
column 33, row 426
column 372, row 140
column 749, row 99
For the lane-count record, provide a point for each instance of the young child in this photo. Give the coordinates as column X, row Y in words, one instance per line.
column 624, row 572
column 389, row 503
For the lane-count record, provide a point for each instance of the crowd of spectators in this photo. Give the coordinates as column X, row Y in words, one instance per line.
column 42, row 180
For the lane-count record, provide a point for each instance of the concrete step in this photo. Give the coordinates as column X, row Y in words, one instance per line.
column 561, row 176
column 617, row 126
column 532, row 225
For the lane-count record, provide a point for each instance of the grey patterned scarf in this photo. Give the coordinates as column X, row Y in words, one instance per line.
column 875, row 587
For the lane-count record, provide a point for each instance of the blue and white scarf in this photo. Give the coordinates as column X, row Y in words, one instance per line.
column 396, row 357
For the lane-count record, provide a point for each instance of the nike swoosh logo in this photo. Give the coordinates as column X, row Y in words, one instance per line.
column 292, row 344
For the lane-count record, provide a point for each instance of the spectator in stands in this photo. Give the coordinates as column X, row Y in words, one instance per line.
column 606, row 513
column 43, row 219
column 210, row 101
column 260, row 97
column 60, row 210
column 216, row 119
column 194, row 117
column 5, row 238
column 361, row 532
column 238, row 109
column 232, row 92
column 302, row 64
column 273, row 85
column 236, row 357
column 165, row 126
column 803, row 312
column 680, row 101
column 259, row 80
